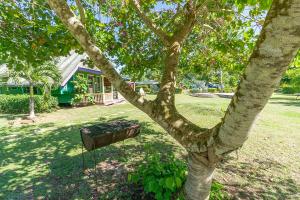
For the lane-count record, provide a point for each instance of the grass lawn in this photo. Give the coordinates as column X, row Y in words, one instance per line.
column 44, row 161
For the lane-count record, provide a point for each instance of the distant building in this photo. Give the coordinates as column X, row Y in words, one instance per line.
column 70, row 67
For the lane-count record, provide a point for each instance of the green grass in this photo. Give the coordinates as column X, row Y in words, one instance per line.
column 44, row 160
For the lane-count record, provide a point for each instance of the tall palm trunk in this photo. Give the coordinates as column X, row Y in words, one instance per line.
column 31, row 102
column 197, row 186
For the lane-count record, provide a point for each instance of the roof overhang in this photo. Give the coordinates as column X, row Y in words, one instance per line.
column 93, row 71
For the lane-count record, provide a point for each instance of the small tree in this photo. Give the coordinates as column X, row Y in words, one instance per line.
column 29, row 43
column 43, row 76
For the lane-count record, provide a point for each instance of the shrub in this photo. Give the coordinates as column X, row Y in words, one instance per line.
column 178, row 90
column 228, row 89
column 289, row 90
column 160, row 177
column 195, row 90
column 16, row 104
column 217, row 192
column 212, row 90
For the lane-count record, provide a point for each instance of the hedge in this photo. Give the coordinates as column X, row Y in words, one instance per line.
column 290, row 90
column 15, row 104
column 212, row 90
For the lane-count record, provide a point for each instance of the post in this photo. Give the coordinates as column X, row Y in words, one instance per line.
column 112, row 91
column 103, row 89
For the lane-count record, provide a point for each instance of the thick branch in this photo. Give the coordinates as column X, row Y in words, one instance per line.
column 81, row 11
column 277, row 45
column 166, row 93
column 187, row 24
column 174, row 123
column 79, row 32
column 189, row 135
column 150, row 24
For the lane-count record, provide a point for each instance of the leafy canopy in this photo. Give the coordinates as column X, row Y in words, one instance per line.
column 30, row 34
column 222, row 38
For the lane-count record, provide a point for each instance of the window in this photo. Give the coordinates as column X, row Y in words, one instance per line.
column 98, row 84
column 90, row 83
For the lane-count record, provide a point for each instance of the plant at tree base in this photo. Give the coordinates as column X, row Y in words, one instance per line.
column 164, row 175
column 161, row 176
column 191, row 36
column 217, row 192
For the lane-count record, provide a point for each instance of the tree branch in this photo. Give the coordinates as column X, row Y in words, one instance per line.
column 77, row 29
column 81, row 11
column 275, row 49
column 185, row 27
column 175, row 124
column 150, row 24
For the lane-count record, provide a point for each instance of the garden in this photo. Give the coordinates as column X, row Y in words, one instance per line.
column 198, row 100
column 44, row 160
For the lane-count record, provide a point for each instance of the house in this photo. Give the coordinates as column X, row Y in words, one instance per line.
column 149, row 86
column 70, row 66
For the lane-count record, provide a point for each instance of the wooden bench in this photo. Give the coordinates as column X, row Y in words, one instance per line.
column 297, row 95
column 103, row 134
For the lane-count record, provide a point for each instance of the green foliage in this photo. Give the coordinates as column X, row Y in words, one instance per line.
column 178, row 90
column 30, row 34
column 216, row 192
column 224, row 42
column 285, row 89
column 229, row 89
column 212, row 90
column 290, row 82
column 81, row 90
column 16, row 104
column 161, row 176
column 195, row 90
column 80, row 84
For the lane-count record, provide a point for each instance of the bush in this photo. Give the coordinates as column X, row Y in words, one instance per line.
column 160, row 177
column 290, row 90
column 178, row 90
column 212, row 90
column 195, row 90
column 217, row 192
column 16, row 104
column 228, row 89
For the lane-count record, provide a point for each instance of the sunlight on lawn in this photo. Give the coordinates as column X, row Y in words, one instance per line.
column 44, row 160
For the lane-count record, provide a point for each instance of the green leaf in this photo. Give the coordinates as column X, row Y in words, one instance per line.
column 170, row 183
column 178, row 182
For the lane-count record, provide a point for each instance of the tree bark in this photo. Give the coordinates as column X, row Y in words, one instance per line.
column 276, row 47
column 198, row 183
column 31, row 102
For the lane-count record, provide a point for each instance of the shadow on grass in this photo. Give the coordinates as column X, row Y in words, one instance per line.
column 261, row 180
column 44, row 161
column 287, row 101
column 12, row 116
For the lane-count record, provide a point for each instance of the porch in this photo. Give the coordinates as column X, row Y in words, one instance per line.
column 100, row 90
column 102, row 98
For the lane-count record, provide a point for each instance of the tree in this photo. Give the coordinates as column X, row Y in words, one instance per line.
column 275, row 48
column 43, row 76
column 29, row 43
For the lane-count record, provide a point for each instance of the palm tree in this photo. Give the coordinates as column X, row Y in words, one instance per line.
column 44, row 76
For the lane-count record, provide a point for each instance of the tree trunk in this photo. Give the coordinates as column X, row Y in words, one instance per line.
column 199, row 179
column 31, row 102
column 276, row 47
